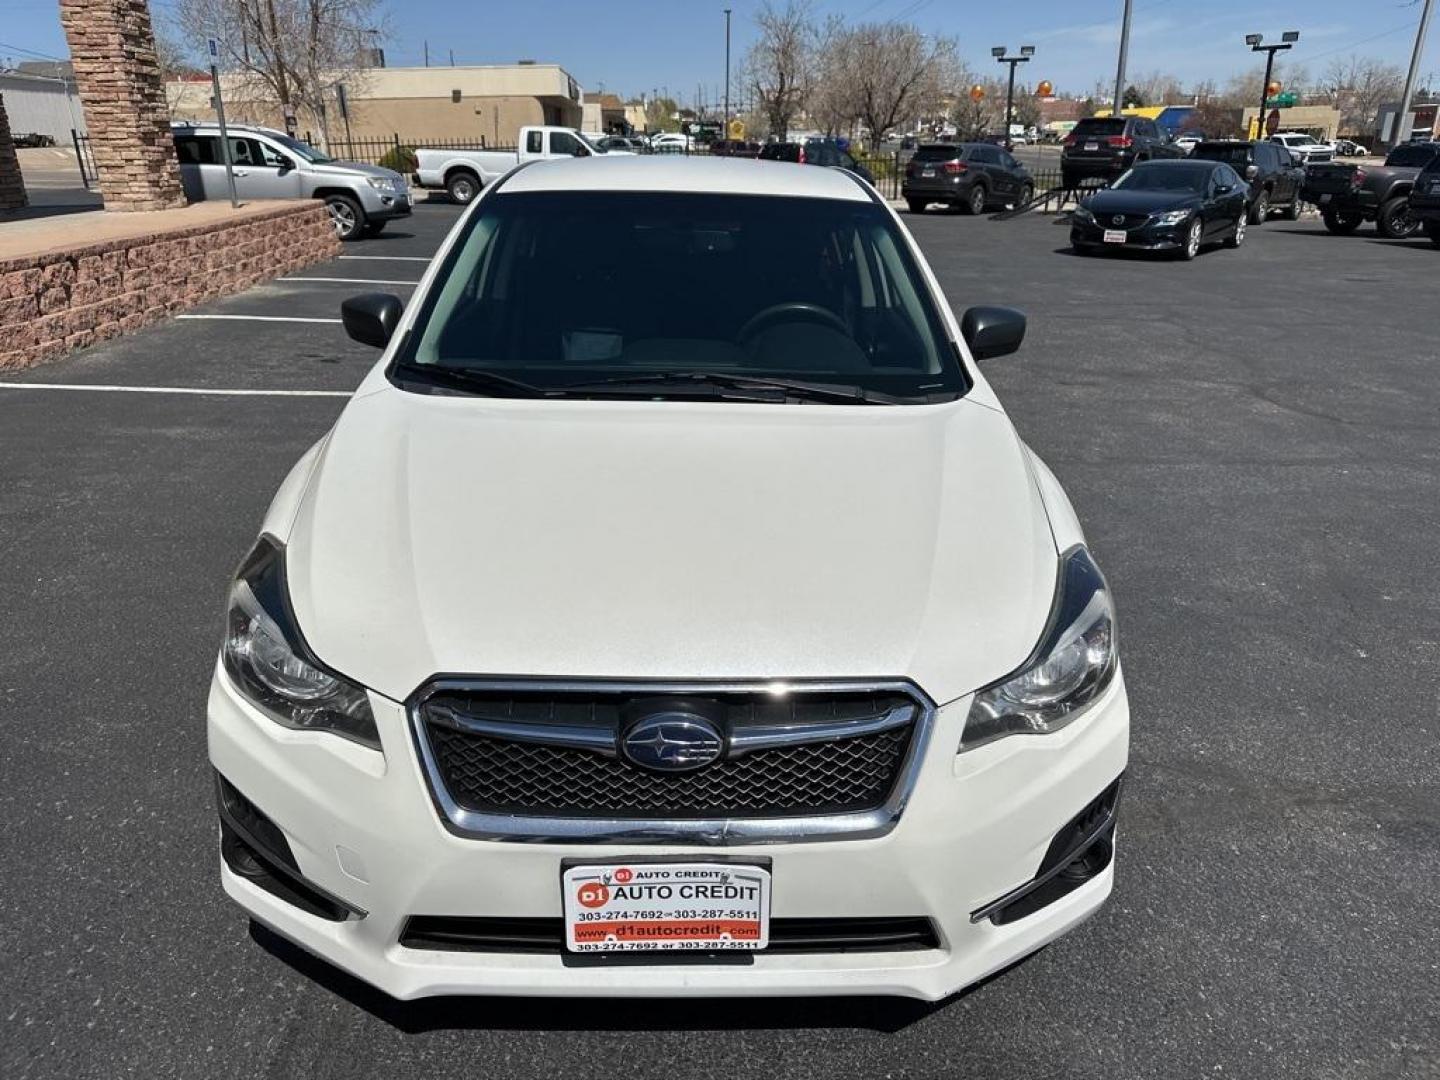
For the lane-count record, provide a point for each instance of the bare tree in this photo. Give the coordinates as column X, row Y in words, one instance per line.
column 1358, row 86
column 780, row 66
column 894, row 73
column 292, row 53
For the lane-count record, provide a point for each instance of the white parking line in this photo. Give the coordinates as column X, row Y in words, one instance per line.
column 107, row 389
column 350, row 281
column 386, row 258
column 259, row 318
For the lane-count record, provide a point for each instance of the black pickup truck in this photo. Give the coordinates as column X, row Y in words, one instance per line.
column 1350, row 194
column 1272, row 174
column 1425, row 200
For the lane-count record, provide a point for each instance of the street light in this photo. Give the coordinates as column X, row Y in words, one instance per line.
column 1026, row 52
column 726, row 132
column 1287, row 41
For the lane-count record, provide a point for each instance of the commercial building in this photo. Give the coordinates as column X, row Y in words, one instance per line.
column 1321, row 121
column 42, row 102
column 488, row 104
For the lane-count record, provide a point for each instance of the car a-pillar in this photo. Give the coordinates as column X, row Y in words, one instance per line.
column 12, row 184
column 117, row 74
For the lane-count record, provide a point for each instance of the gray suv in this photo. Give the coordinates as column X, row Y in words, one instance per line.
column 271, row 165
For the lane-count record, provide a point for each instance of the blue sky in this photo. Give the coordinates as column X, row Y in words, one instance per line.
column 630, row 46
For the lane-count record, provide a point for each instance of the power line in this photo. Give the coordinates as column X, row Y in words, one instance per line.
column 31, row 52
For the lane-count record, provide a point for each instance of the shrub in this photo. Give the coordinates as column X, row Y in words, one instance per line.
column 399, row 158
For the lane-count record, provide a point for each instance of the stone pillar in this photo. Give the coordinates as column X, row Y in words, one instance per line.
column 12, row 186
column 118, row 75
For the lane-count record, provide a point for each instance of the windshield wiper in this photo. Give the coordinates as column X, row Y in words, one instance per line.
column 473, row 380
column 794, row 388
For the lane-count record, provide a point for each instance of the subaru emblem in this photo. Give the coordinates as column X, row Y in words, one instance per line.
column 672, row 742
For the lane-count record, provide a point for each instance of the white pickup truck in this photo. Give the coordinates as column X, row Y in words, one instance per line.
column 464, row 172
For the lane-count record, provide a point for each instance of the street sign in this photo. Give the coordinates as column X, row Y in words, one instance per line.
column 214, row 48
column 1289, row 99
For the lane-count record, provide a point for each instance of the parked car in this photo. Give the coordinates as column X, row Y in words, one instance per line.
column 734, row 148
column 1274, row 178
column 29, row 140
column 1306, row 148
column 815, row 152
column 1350, row 148
column 1102, row 147
column 267, row 164
column 971, row 176
column 1351, row 194
column 1188, row 140
column 953, row 728
column 465, row 173
column 610, row 143
column 1177, row 206
column 1425, row 200
column 671, row 142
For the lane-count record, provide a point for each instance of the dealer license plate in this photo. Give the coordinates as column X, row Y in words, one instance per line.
column 1115, row 236
column 927, row 172
column 666, row 906
column 1092, row 146
column 1325, row 199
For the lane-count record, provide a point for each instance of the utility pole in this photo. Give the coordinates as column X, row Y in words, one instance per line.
column 1026, row 52
column 427, row 53
column 1124, row 56
column 1402, row 121
column 1287, row 41
column 726, row 132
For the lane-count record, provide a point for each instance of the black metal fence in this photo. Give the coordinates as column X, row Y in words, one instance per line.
column 375, row 150
column 85, row 158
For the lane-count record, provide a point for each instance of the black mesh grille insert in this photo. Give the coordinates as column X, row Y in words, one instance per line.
column 494, row 774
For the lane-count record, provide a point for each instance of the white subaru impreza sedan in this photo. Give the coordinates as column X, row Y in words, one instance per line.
column 672, row 610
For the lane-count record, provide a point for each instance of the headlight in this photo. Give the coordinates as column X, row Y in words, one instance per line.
column 1171, row 217
column 269, row 662
column 1083, row 214
column 380, row 183
column 1074, row 662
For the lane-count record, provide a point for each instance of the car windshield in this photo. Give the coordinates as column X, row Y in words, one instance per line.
column 1411, row 157
column 1230, row 153
column 305, row 150
column 1165, row 178
column 1092, row 127
column 1300, row 140
column 943, row 152
column 562, row 289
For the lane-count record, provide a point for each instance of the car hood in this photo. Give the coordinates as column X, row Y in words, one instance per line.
column 1140, row 202
column 456, row 535
column 350, row 168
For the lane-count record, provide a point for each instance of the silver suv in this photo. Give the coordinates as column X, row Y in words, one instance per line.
column 271, row 165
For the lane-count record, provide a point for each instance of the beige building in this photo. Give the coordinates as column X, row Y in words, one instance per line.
column 1319, row 120
column 604, row 115
column 480, row 104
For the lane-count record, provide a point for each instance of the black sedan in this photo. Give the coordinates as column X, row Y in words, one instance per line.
column 1177, row 206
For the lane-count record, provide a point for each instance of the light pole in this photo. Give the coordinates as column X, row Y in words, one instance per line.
column 1124, row 56
column 1287, row 41
column 726, row 132
column 1408, row 95
column 1026, row 52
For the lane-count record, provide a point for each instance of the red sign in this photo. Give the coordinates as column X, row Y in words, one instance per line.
column 1272, row 122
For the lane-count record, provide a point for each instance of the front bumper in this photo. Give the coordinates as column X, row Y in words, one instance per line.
column 1144, row 238
column 362, row 827
column 388, row 207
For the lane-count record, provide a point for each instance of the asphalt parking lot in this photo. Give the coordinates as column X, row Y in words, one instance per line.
column 1253, row 443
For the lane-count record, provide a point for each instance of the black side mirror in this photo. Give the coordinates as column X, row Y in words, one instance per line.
column 1252, row 171
column 992, row 331
column 371, row 318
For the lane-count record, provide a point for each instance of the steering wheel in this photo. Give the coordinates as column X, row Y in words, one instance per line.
column 792, row 311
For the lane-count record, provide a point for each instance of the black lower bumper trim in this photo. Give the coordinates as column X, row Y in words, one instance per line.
column 1078, row 852
column 255, row 849
column 547, row 936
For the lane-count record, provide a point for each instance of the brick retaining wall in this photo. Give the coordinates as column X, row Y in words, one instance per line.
column 54, row 303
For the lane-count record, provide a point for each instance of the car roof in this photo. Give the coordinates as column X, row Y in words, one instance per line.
column 1176, row 163
column 686, row 175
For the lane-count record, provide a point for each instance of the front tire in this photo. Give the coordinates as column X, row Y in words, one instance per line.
column 1432, row 230
column 1292, row 212
column 1193, row 237
column 1260, row 209
column 1027, row 192
column 347, row 216
column 1341, row 222
column 917, row 206
column 462, row 186
column 975, row 201
column 1395, row 221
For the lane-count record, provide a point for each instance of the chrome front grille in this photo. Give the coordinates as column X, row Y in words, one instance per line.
column 542, row 761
